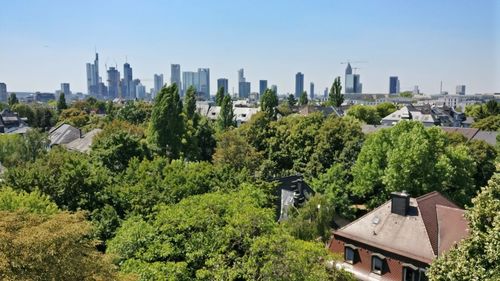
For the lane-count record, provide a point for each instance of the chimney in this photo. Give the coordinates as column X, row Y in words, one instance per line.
column 400, row 203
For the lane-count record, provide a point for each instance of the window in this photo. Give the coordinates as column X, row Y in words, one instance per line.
column 410, row 274
column 378, row 263
column 350, row 254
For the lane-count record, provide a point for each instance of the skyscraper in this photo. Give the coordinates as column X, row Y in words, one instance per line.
column 460, row 90
column 190, row 78
column 140, row 91
column 393, row 85
column 113, row 83
column 325, row 93
column 128, row 91
column 244, row 90
column 311, row 90
column 158, row 84
column 3, row 92
column 223, row 82
column 93, row 78
column 262, row 87
column 204, row 83
column 352, row 81
column 175, row 76
column 241, row 76
column 243, row 85
column 299, row 84
column 274, row 88
column 65, row 89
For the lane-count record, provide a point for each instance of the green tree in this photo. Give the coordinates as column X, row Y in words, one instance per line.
column 117, row 144
column 61, row 103
column 33, row 202
column 55, row 247
column 135, row 112
column 234, row 151
column 365, row 113
column 74, row 117
column 12, row 99
column 219, row 97
column 476, row 257
column 216, row 236
column 226, row 114
column 69, row 179
column 385, row 108
column 190, row 103
column 269, row 102
column 18, row 149
column 166, row 127
column 490, row 123
column 303, row 100
column 335, row 96
column 412, row 158
column 291, row 100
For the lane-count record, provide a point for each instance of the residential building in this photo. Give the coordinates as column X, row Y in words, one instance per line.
column 428, row 115
column 460, row 90
column 10, row 122
column 175, row 76
column 158, row 84
column 223, row 82
column 3, row 92
column 401, row 238
column 299, row 84
column 113, row 83
column 262, row 87
column 204, row 83
column 311, row 90
column 393, row 85
column 291, row 193
column 44, row 97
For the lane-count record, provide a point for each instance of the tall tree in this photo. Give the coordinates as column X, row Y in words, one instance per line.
column 269, row 102
column 190, row 102
column 166, row 126
column 226, row 114
column 219, row 97
column 476, row 257
column 303, row 100
column 291, row 100
column 335, row 97
column 12, row 99
column 61, row 103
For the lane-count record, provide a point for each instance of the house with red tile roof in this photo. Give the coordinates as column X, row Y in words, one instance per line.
column 401, row 238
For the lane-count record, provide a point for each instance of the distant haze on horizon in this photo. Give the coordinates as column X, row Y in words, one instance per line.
column 45, row 43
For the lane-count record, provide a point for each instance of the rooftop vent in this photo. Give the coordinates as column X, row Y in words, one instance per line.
column 400, row 203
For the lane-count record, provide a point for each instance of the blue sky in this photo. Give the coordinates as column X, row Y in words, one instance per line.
column 44, row 43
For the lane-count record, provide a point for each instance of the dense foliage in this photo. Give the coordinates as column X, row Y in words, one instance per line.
column 476, row 257
column 171, row 195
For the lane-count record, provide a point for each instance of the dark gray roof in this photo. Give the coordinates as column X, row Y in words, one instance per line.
column 84, row 143
column 63, row 134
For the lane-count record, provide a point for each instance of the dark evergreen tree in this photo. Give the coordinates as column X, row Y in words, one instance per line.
column 336, row 98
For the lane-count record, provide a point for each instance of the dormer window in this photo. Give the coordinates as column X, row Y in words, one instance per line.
column 378, row 261
column 410, row 272
column 350, row 253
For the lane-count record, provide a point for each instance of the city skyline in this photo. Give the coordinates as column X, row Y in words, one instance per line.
column 422, row 43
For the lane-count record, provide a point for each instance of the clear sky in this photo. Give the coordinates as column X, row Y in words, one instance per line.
column 46, row 42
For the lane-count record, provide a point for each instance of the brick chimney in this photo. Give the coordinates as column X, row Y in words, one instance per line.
column 400, row 203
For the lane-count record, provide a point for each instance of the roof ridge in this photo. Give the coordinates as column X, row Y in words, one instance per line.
column 428, row 195
column 387, row 202
column 425, row 229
